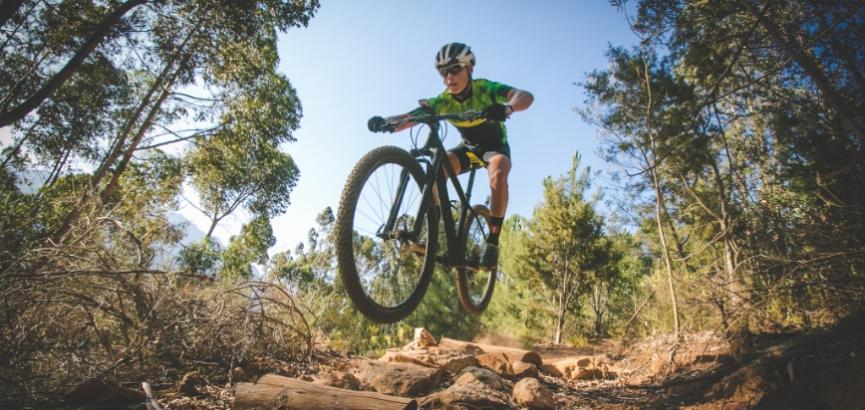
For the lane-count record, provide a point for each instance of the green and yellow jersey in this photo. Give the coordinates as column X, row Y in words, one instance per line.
column 482, row 132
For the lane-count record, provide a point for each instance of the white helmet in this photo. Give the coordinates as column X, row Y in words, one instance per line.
column 454, row 53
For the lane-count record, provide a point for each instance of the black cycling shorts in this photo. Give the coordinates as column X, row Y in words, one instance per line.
column 473, row 156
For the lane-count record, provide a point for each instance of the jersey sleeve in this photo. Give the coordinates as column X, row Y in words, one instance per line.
column 435, row 103
column 499, row 91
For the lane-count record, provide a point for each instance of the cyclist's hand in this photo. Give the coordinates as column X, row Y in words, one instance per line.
column 379, row 124
column 498, row 112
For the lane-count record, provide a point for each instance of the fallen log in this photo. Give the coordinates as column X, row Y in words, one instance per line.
column 513, row 354
column 272, row 391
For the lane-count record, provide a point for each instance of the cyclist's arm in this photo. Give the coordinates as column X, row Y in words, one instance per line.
column 424, row 106
column 519, row 100
column 402, row 126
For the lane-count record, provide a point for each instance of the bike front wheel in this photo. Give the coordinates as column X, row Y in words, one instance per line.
column 384, row 259
column 474, row 283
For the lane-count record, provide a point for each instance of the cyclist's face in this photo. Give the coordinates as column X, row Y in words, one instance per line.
column 455, row 78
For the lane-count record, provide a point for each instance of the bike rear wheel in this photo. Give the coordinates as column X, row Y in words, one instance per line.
column 385, row 272
column 474, row 283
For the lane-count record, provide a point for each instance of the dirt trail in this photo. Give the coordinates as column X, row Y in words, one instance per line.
column 694, row 371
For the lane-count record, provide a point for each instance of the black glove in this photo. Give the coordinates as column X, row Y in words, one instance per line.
column 496, row 112
column 379, row 124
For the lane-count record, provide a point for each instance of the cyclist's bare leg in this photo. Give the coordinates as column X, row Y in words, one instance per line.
column 455, row 163
column 499, row 167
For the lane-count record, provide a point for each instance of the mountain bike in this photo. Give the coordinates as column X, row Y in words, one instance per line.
column 387, row 227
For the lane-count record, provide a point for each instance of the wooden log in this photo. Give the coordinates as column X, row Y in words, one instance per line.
column 513, row 354
column 274, row 391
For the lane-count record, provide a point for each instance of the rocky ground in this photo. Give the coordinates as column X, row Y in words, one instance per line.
column 663, row 372
column 817, row 370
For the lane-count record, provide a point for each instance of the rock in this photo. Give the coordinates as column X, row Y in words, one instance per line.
column 514, row 355
column 343, row 380
column 529, row 392
column 479, row 374
column 533, row 358
column 421, row 358
column 497, row 362
column 471, row 395
column 452, row 361
column 399, row 379
column 422, row 340
column 551, row 370
column 457, row 362
column 580, row 368
column 523, row 369
column 458, row 345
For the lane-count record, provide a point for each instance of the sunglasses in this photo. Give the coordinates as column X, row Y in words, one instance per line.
column 454, row 70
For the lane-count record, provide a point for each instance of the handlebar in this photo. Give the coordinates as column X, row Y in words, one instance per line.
column 431, row 118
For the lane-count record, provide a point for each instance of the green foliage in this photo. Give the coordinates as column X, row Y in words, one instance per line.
column 201, row 257
column 746, row 156
column 247, row 248
column 566, row 245
column 520, row 306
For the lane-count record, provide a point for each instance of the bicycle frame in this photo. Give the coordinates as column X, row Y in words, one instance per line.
column 455, row 231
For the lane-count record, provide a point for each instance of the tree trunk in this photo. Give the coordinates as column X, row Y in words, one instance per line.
column 274, row 391
column 117, row 148
column 665, row 251
column 597, row 307
column 733, row 284
column 145, row 126
column 660, row 206
column 101, row 30
column 560, row 320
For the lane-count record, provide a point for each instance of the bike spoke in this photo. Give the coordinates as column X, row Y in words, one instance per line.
column 388, row 270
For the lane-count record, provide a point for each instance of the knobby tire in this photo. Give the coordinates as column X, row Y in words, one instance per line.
column 465, row 273
column 344, row 235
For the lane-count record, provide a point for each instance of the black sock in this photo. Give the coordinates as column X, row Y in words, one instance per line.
column 495, row 229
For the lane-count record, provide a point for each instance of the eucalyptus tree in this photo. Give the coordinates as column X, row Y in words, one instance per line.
column 95, row 87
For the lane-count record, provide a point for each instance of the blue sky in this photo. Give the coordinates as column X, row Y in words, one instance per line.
column 363, row 58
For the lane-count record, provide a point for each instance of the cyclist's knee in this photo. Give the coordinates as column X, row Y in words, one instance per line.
column 499, row 167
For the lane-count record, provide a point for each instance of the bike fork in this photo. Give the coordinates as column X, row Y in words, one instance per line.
column 388, row 226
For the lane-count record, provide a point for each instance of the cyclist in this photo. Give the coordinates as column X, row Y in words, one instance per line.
column 484, row 141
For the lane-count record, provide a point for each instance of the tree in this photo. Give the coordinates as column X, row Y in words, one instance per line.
column 723, row 110
column 248, row 248
column 229, row 174
column 94, row 31
column 225, row 50
column 565, row 242
column 91, row 108
column 617, row 283
column 520, row 303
